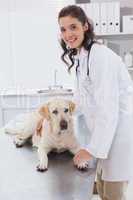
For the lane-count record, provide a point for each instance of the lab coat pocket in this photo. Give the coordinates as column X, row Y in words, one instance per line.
column 126, row 104
column 88, row 93
column 87, row 85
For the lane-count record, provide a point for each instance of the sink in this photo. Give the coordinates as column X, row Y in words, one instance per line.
column 52, row 90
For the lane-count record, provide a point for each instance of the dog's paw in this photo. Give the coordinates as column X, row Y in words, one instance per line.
column 18, row 142
column 41, row 168
column 83, row 166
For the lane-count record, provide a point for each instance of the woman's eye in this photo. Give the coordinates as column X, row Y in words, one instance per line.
column 66, row 110
column 55, row 112
column 73, row 27
column 62, row 30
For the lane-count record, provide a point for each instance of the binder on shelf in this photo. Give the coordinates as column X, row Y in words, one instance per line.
column 96, row 17
column 110, row 17
column 128, row 24
column 93, row 13
column 89, row 11
column 103, row 17
column 117, row 16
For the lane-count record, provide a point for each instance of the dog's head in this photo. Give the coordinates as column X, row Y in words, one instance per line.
column 59, row 113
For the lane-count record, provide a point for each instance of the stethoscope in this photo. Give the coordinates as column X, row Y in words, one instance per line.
column 78, row 62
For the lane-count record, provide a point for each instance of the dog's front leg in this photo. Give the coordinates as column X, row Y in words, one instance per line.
column 43, row 158
column 85, row 164
column 74, row 146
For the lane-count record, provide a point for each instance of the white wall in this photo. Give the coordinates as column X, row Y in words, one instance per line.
column 6, row 76
column 30, row 49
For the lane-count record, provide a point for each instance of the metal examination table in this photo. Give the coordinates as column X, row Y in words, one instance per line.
column 19, row 179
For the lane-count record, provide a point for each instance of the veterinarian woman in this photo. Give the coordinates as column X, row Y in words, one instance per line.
column 104, row 94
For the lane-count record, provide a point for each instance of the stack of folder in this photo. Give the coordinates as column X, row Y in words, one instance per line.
column 105, row 16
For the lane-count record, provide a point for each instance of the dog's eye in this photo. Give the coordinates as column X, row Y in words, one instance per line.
column 55, row 112
column 66, row 110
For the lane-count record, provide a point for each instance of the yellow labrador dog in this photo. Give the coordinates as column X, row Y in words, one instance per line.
column 50, row 128
column 55, row 131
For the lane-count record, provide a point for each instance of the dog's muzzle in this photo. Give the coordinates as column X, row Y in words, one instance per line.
column 63, row 125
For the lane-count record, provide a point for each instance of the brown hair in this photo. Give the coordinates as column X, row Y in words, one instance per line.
column 89, row 36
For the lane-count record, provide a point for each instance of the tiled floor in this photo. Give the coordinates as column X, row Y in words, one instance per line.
column 95, row 197
column 129, row 193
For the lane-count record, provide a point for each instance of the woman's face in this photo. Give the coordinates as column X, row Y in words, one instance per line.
column 72, row 31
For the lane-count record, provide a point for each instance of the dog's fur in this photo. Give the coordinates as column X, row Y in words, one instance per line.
column 50, row 127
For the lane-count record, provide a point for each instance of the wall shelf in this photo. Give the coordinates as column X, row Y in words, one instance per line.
column 130, row 68
column 116, row 36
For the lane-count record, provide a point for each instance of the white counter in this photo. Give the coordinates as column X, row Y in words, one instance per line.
column 14, row 102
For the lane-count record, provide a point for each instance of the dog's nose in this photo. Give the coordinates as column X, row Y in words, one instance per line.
column 63, row 124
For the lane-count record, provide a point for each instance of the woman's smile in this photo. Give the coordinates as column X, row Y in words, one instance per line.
column 72, row 31
column 71, row 41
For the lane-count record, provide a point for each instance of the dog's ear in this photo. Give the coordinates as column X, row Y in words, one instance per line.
column 71, row 106
column 44, row 111
column 39, row 127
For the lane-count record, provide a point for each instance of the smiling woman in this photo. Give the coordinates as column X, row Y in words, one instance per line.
column 103, row 94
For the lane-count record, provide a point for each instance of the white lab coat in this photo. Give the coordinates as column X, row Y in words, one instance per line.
column 105, row 98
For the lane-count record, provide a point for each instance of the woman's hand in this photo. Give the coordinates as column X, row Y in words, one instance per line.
column 82, row 158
